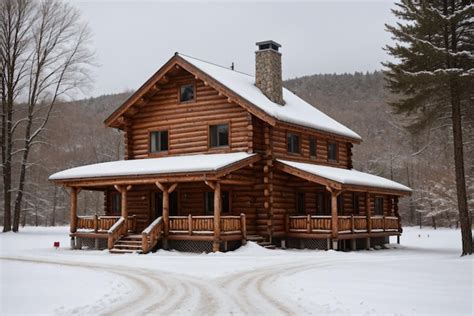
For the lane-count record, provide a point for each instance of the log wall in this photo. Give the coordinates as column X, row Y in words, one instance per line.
column 188, row 123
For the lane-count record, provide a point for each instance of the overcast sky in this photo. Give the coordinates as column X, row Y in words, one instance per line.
column 132, row 39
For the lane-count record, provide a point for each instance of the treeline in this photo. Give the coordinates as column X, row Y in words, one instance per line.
column 76, row 136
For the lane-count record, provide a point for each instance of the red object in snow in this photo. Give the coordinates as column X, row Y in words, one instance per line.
column 56, row 244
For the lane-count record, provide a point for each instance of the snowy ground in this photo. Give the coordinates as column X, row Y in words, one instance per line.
column 424, row 275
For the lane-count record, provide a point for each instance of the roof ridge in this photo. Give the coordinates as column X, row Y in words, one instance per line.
column 214, row 64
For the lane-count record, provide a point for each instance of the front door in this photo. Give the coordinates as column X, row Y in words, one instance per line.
column 158, row 204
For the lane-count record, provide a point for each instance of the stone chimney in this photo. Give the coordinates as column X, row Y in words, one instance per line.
column 268, row 70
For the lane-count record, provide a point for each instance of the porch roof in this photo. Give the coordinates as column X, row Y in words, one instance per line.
column 182, row 165
column 342, row 178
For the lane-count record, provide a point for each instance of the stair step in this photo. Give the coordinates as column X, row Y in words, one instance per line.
column 121, row 251
column 263, row 243
column 255, row 238
column 269, row 247
column 129, row 242
column 127, row 246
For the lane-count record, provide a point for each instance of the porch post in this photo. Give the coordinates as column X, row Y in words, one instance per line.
column 217, row 217
column 166, row 213
column 73, row 225
column 123, row 192
column 368, row 218
column 334, row 218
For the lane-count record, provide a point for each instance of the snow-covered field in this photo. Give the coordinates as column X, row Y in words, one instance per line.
column 423, row 276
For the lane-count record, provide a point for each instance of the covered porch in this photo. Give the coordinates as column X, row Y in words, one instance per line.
column 141, row 205
column 352, row 209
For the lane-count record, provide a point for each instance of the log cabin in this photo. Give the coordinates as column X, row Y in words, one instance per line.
column 215, row 157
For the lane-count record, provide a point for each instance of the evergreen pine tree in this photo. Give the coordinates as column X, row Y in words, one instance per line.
column 434, row 73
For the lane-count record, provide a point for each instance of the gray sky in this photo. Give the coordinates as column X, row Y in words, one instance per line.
column 133, row 39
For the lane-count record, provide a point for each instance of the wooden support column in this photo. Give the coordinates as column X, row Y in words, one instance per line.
column 399, row 220
column 166, row 209
column 73, row 225
column 334, row 217
column 217, row 217
column 368, row 214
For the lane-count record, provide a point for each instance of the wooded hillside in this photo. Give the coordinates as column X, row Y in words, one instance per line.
column 76, row 136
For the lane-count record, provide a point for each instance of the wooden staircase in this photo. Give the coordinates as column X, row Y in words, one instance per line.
column 128, row 244
column 261, row 241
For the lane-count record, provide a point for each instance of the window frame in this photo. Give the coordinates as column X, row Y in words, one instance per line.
column 209, row 136
column 329, row 142
column 315, row 140
column 298, row 135
column 355, row 203
column 210, row 193
column 340, row 204
column 381, row 204
column 301, row 211
column 112, row 197
column 160, row 152
column 194, row 92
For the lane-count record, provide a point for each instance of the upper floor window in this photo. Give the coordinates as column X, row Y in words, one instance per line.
column 209, row 202
column 378, row 205
column 186, row 93
column 293, row 141
column 158, row 141
column 332, row 151
column 312, row 147
column 219, row 135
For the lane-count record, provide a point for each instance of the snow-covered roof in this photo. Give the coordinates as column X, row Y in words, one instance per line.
column 152, row 166
column 295, row 110
column 347, row 176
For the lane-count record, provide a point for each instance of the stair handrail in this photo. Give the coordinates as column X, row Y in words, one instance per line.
column 115, row 232
column 152, row 234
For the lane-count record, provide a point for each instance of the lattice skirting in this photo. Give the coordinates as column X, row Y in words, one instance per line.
column 89, row 243
column 307, row 243
column 201, row 246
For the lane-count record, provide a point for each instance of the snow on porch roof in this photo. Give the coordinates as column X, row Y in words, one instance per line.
column 295, row 111
column 347, row 176
column 152, row 166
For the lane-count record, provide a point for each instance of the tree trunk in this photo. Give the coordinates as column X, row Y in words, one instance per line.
column 55, row 199
column 464, row 217
column 433, row 218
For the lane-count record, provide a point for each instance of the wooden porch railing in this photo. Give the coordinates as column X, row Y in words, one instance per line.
column 152, row 234
column 103, row 223
column 204, row 225
column 346, row 224
column 115, row 232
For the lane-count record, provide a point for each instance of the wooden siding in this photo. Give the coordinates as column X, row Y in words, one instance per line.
column 188, row 123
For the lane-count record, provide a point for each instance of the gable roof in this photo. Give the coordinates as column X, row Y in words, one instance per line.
column 242, row 87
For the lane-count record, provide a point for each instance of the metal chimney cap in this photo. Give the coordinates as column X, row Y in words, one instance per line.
column 268, row 45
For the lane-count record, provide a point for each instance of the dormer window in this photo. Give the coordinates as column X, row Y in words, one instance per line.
column 158, row 141
column 187, row 93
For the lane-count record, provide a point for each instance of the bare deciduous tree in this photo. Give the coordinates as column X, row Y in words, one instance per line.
column 45, row 57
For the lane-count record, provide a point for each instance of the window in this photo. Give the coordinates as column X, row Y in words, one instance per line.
column 340, row 204
column 158, row 141
column 219, row 135
column 115, row 204
column 300, row 203
column 322, row 204
column 378, row 205
column 312, row 147
column 293, row 141
column 186, row 93
column 355, row 203
column 209, row 202
column 332, row 151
